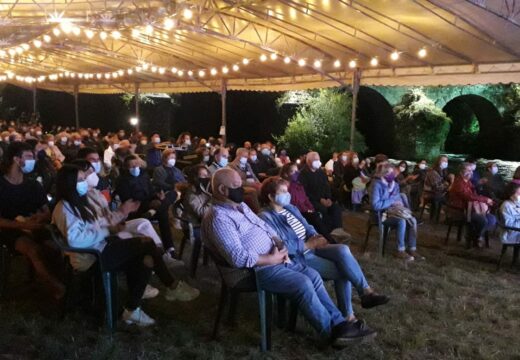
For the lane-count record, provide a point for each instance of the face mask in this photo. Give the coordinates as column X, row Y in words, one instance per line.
column 254, row 158
column 444, row 165
column 283, row 199
column 157, row 140
column 97, row 166
column 236, row 195
column 135, row 171
column 343, row 158
column 144, row 142
column 402, row 169
column 171, row 162
column 355, row 160
column 494, row 170
column 204, row 182
column 243, row 160
column 266, row 152
column 187, row 142
column 390, row 177
column 294, row 176
column 38, row 133
column 50, row 143
column 77, row 142
column 92, row 180
column 223, row 162
column 473, row 167
column 28, row 166
column 316, row 164
column 205, row 158
column 63, row 140
column 115, row 146
column 82, row 187
column 422, row 166
column 6, row 139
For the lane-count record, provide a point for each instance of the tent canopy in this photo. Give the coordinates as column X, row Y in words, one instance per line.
column 109, row 46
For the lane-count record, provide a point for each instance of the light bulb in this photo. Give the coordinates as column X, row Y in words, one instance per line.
column 374, row 61
column 103, row 35
column 213, row 72
column 301, row 62
column 287, row 60
column 174, row 70
column 422, row 53
column 37, row 44
column 337, row 64
column 180, row 73
column 89, row 33
column 187, row 14
column 149, row 29
column 263, row 57
column 46, row 38
column 317, row 64
column 202, row 73
column 56, row 32
column 352, row 64
column 135, row 33
column 76, row 31
column 274, row 56
column 116, row 34
column 225, row 70
column 190, row 73
column 245, row 61
column 394, row 56
column 236, row 67
column 162, row 71
column 169, row 24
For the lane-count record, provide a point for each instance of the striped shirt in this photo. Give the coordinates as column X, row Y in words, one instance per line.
column 295, row 224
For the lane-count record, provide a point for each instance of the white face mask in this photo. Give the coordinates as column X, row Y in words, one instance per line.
column 343, row 158
column 355, row 160
column 115, row 146
column 422, row 166
column 50, row 143
column 243, row 160
column 473, row 167
column 494, row 170
column 63, row 139
column 402, row 168
column 171, row 162
column 187, row 142
column 144, row 142
column 316, row 164
column 156, row 140
column 77, row 142
column 38, row 133
column 92, row 180
column 444, row 165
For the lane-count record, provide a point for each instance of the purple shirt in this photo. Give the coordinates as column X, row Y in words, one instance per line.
column 237, row 234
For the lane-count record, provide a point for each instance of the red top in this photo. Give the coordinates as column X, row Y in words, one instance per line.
column 299, row 197
column 462, row 192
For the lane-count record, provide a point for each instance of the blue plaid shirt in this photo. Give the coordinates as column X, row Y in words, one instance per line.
column 237, row 234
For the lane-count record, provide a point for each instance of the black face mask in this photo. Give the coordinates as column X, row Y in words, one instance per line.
column 236, row 195
column 204, row 182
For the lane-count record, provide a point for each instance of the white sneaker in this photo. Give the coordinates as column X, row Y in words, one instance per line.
column 171, row 262
column 183, row 292
column 150, row 292
column 137, row 317
column 341, row 234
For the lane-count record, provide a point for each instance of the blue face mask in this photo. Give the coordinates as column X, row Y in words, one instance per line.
column 97, row 166
column 82, row 187
column 266, row 152
column 223, row 162
column 254, row 158
column 28, row 166
column 135, row 171
column 283, row 199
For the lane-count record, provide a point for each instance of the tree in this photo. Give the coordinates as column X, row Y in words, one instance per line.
column 421, row 128
column 322, row 124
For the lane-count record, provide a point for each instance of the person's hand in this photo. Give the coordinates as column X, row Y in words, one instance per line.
column 279, row 256
column 398, row 203
column 129, row 206
column 451, row 178
column 161, row 196
column 490, row 202
column 316, row 242
column 326, row 202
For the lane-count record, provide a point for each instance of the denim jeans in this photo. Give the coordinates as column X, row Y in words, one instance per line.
column 336, row 262
column 401, row 225
column 482, row 223
column 302, row 284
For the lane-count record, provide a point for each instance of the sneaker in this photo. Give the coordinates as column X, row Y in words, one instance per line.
column 137, row 317
column 403, row 255
column 416, row 255
column 183, row 292
column 372, row 300
column 341, row 234
column 170, row 261
column 346, row 333
column 150, row 292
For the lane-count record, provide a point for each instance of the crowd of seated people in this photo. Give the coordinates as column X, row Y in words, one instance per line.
column 105, row 193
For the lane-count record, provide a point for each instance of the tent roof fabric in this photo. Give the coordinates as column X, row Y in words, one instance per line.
column 139, row 42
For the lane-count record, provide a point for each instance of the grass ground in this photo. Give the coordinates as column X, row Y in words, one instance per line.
column 454, row 305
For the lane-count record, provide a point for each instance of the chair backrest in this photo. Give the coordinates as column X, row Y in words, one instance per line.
column 233, row 278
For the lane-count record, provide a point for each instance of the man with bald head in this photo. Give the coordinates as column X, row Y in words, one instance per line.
column 317, row 188
column 231, row 230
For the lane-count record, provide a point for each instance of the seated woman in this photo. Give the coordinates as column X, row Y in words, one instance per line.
column 197, row 197
column 510, row 212
column 332, row 261
column 384, row 196
column 493, row 184
column 463, row 198
column 359, row 186
column 137, row 257
column 299, row 199
column 134, row 183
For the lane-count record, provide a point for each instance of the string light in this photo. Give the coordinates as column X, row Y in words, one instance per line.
column 202, row 73
column 56, row 32
column 317, row 64
column 225, row 70
column 422, row 53
column 66, row 26
column 169, row 24
column 76, row 31
column 89, row 33
column 187, row 14
column 213, row 72
column 352, row 64
column 103, row 35
column 149, row 29
column 180, row 73
column 116, row 35
column 394, row 56
column 162, row 71
column 374, row 61
column 263, row 57
column 337, row 64
column 174, row 70
column 245, row 61
column 236, row 67
column 47, row 38
column 274, row 56
column 287, row 60
column 135, row 33
column 190, row 73
column 301, row 62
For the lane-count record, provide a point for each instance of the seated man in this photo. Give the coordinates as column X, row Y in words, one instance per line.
column 317, row 188
column 24, row 212
column 134, row 183
column 234, row 232
column 221, row 159
column 167, row 175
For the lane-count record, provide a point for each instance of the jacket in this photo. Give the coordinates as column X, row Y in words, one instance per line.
column 245, row 172
column 165, row 178
column 435, row 182
column 100, row 205
column 382, row 196
column 135, row 187
column 196, row 204
column 278, row 222
column 462, row 192
column 316, row 185
column 510, row 213
column 299, row 197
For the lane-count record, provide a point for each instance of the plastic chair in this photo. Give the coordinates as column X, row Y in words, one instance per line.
column 433, row 206
column 109, row 278
column 459, row 221
column 235, row 282
column 375, row 219
column 516, row 247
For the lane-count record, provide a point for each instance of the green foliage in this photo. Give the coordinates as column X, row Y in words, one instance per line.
column 322, row 124
column 421, row 127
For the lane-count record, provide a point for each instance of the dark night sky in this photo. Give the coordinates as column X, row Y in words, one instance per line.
column 250, row 115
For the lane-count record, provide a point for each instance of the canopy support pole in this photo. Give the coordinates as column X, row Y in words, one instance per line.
column 76, row 111
column 136, row 96
column 356, row 78
column 223, row 93
column 34, row 105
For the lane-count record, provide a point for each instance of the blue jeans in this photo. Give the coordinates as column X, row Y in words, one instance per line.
column 401, row 225
column 482, row 223
column 336, row 262
column 302, row 284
